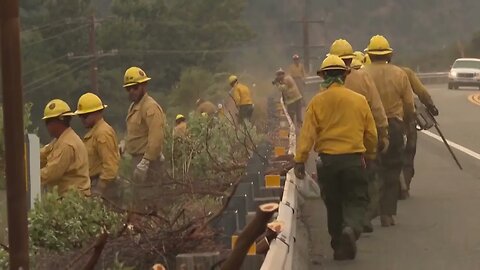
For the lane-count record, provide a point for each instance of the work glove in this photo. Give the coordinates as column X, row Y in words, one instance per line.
column 433, row 110
column 383, row 140
column 140, row 173
column 383, row 145
column 299, row 170
column 121, row 147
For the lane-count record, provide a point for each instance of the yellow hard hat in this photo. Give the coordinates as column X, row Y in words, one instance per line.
column 179, row 116
column 89, row 103
column 134, row 75
column 232, row 79
column 342, row 49
column 360, row 56
column 378, row 46
column 333, row 62
column 56, row 108
column 356, row 64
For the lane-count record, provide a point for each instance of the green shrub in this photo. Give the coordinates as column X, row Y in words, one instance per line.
column 65, row 223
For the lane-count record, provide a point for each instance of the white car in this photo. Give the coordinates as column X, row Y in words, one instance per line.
column 464, row 72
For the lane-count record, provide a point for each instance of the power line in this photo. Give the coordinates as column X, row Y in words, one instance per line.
column 53, row 74
column 44, row 65
column 51, row 24
column 184, row 51
column 79, row 67
column 57, row 35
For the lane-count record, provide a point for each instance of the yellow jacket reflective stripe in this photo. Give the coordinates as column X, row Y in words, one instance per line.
column 337, row 121
column 102, row 147
column 360, row 82
column 145, row 128
column 394, row 88
column 418, row 88
column 241, row 95
column 66, row 164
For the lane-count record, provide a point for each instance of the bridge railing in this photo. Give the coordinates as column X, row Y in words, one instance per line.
column 281, row 252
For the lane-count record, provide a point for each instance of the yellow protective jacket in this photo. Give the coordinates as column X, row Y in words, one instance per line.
column 102, row 147
column 360, row 82
column 418, row 87
column 394, row 89
column 296, row 71
column 337, row 121
column 180, row 130
column 145, row 129
column 65, row 164
column 290, row 91
column 206, row 107
column 241, row 95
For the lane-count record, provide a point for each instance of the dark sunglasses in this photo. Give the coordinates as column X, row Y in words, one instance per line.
column 133, row 87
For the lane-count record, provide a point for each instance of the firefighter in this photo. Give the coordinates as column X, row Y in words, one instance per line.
column 297, row 71
column 340, row 126
column 180, row 130
column 205, row 106
column 145, row 128
column 101, row 143
column 360, row 82
column 411, row 130
column 360, row 56
column 397, row 98
column 292, row 97
column 242, row 98
column 356, row 64
column 64, row 161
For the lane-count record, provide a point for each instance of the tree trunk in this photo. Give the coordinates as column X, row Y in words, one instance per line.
column 253, row 230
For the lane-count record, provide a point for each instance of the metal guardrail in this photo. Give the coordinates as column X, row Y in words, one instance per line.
column 280, row 254
column 426, row 77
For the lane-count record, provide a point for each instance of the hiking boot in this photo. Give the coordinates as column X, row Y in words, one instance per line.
column 347, row 249
column 387, row 221
column 404, row 194
column 368, row 227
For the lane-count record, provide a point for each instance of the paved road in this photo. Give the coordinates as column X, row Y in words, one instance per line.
column 439, row 226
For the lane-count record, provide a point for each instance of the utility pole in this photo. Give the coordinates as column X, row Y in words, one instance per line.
column 305, row 23
column 306, row 38
column 93, row 52
column 14, row 135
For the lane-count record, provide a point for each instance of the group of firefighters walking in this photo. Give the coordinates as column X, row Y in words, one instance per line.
column 362, row 125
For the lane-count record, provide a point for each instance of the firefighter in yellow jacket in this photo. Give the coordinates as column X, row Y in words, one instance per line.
column 242, row 98
column 101, row 143
column 292, row 97
column 180, row 129
column 411, row 130
column 64, row 161
column 340, row 126
column 360, row 82
column 297, row 71
column 397, row 99
column 145, row 127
